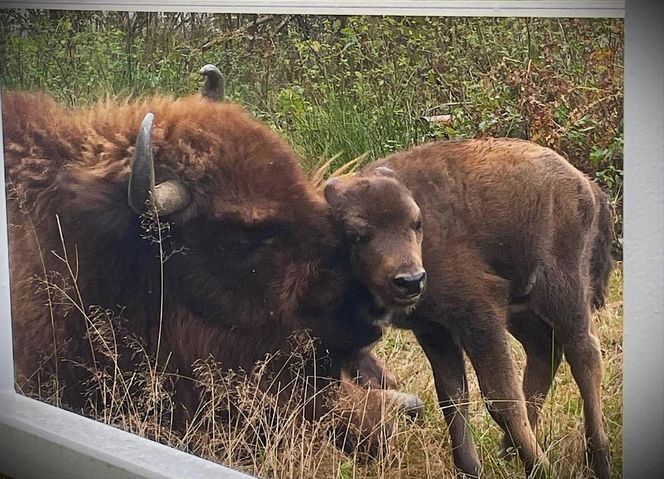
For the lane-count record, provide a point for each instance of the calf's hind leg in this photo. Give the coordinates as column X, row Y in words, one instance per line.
column 566, row 305
column 543, row 356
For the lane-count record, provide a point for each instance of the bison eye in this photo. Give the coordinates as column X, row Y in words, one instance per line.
column 360, row 238
column 418, row 226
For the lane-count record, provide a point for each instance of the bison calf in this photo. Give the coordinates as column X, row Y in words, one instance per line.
column 510, row 234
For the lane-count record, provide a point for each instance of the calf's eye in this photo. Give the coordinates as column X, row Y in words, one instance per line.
column 418, row 225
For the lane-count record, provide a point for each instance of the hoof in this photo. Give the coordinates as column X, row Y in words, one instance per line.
column 412, row 405
column 506, row 453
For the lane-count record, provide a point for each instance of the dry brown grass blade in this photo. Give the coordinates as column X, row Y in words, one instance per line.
column 319, row 173
column 347, row 169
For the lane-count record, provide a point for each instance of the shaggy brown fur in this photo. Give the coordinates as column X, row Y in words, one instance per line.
column 255, row 256
column 508, row 226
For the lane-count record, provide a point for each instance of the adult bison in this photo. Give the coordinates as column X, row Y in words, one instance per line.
column 510, row 234
column 251, row 255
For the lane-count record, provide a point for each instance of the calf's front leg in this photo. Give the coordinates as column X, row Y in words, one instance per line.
column 449, row 373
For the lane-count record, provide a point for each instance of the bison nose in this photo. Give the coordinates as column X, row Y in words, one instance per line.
column 411, row 284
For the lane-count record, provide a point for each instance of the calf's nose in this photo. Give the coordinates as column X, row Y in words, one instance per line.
column 411, row 283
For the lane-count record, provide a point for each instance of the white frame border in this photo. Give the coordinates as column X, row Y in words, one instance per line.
column 643, row 333
column 41, row 441
column 468, row 8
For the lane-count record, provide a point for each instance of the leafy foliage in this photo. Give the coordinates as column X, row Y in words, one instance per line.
column 351, row 85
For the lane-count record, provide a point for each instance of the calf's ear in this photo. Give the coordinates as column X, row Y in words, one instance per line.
column 332, row 192
column 385, row 171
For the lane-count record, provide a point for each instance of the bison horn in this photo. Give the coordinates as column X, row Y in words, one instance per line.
column 213, row 88
column 169, row 196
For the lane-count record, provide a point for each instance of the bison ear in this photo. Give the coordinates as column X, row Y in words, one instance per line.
column 385, row 171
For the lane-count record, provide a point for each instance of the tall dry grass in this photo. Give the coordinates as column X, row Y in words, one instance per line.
column 236, row 423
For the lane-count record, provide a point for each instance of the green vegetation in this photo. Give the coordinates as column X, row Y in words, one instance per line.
column 351, row 85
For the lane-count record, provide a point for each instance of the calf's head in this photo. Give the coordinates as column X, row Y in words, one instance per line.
column 383, row 225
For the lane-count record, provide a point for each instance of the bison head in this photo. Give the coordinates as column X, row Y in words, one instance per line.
column 247, row 230
column 383, row 224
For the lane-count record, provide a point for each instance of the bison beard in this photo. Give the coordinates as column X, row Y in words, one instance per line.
column 514, row 238
column 251, row 254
